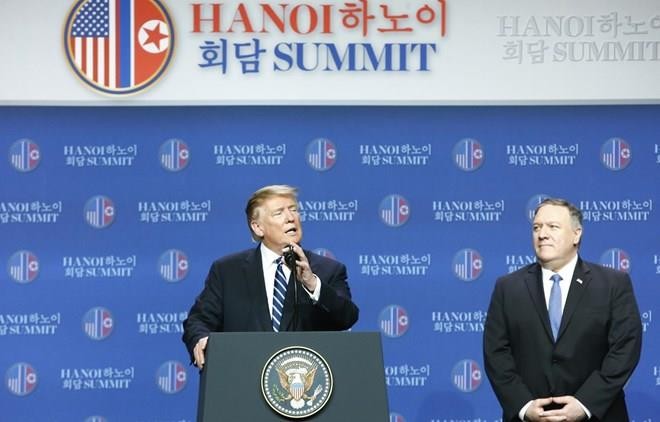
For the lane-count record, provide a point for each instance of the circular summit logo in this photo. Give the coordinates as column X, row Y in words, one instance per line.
column 615, row 154
column 23, row 267
column 321, row 154
column 393, row 321
column 119, row 47
column 468, row 264
column 468, row 154
column 99, row 212
column 395, row 417
column 534, row 202
column 98, row 323
column 324, row 252
column 24, row 155
column 394, row 210
column 296, row 382
column 21, row 379
column 466, row 375
column 173, row 265
column 171, row 377
column 174, row 155
column 617, row 259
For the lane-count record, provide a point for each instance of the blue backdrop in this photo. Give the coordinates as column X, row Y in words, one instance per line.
column 111, row 217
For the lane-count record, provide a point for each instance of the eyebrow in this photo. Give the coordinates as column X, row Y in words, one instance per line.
column 539, row 223
column 285, row 207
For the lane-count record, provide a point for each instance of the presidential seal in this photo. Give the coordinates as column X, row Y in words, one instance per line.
column 296, row 382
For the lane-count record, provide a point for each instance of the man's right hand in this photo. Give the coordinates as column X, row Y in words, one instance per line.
column 198, row 351
column 535, row 410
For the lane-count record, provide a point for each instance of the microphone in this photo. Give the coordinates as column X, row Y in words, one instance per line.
column 290, row 260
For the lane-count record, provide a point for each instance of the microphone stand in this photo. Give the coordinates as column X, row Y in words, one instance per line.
column 290, row 260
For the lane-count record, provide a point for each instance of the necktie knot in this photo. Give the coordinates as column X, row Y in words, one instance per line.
column 556, row 278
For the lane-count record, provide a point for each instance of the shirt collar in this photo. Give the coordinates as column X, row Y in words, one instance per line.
column 566, row 272
column 268, row 256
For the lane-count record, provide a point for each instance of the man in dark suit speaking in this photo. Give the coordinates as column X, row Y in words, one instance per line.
column 255, row 290
column 562, row 336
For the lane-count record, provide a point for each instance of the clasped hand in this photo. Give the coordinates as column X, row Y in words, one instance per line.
column 570, row 411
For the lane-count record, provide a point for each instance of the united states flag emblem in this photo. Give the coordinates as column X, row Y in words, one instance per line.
column 119, row 46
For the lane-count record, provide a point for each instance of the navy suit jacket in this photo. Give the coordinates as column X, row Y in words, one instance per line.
column 597, row 348
column 234, row 299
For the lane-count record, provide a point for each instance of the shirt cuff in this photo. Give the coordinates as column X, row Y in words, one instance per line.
column 522, row 412
column 316, row 294
column 586, row 411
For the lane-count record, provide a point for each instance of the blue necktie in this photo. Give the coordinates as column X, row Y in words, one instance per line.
column 554, row 305
column 279, row 293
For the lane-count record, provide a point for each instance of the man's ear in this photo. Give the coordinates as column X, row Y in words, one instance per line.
column 578, row 236
column 256, row 228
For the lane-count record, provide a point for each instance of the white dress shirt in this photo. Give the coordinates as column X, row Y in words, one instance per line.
column 269, row 262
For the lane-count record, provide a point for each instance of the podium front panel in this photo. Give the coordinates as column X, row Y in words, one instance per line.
column 230, row 386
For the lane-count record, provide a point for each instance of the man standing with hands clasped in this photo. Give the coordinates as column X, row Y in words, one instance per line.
column 562, row 336
column 255, row 290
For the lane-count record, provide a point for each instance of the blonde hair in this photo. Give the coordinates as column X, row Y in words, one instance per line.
column 258, row 198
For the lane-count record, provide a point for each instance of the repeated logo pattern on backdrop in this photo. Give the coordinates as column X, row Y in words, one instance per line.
column 108, row 231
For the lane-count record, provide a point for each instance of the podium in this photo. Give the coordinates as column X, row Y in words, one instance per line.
column 231, row 381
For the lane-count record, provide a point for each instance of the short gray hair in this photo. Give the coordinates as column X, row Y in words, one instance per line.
column 573, row 211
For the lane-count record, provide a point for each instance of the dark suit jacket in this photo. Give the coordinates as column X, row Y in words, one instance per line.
column 234, row 299
column 597, row 348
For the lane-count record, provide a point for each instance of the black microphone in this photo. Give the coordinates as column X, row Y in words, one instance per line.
column 290, row 258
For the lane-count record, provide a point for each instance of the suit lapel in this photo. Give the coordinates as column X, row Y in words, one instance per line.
column 254, row 276
column 579, row 283
column 534, row 282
